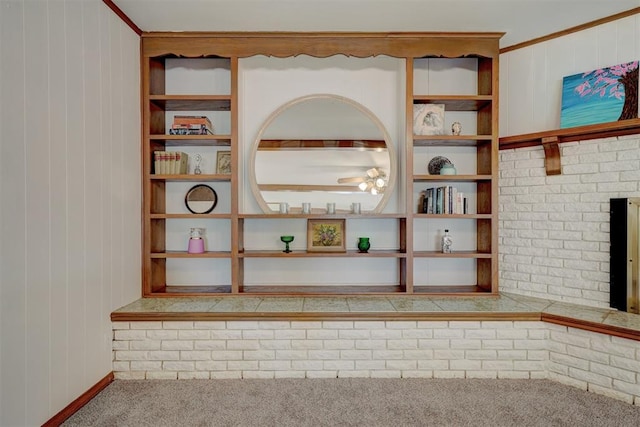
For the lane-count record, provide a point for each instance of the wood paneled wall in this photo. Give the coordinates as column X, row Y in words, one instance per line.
column 531, row 77
column 69, row 198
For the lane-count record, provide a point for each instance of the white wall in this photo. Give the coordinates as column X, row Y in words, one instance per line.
column 554, row 230
column 70, row 198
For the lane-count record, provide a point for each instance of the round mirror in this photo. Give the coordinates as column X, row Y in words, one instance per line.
column 201, row 199
column 321, row 149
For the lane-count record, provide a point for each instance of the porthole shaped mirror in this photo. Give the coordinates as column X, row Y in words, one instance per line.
column 201, row 199
column 320, row 149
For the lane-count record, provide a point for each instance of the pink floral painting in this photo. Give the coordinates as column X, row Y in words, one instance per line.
column 600, row 96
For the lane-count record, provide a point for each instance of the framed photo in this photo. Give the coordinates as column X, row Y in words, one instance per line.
column 428, row 119
column 326, row 235
column 223, row 163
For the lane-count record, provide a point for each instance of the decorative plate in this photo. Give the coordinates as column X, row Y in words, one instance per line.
column 436, row 164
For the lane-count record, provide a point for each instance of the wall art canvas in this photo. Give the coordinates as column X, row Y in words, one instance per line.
column 600, row 96
column 428, row 119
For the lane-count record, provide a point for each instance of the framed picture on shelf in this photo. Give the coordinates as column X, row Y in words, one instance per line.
column 223, row 163
column 428, row 119
column 326, row 235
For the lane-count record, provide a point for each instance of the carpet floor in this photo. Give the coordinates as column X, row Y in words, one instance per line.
column 351, row 402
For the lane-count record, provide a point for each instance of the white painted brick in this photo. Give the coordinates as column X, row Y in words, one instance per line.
column 177, row 345
column 322, row 374
column 511, row 334
column 513, row 375
column 291, row 354
column 243, row 345
column 305, row 325
column 259, row 355
column 481, row 354
column 434, row 344
column 614, row 373
column 605, row 391
column 388, row 354
column 371, row 344
column 370, row 364
column 528, row 344
column 337, row 325
column 129, row 375
column 401, row 324
column 121, row 366
column 402, row 344
column 209, row 325
column 418, row 354
column 120, row 325
column 537, row 355
column 290, row 374
column 282, row 344
column 261, row 334
column 417, row 374
column 448, row 333
column 356, row 354
column 607, row 346
column 226, row 334
column 120, row 345
column 626, row 363
column 162, row 334
column 130, row 334
column 274, row 365
column 386, row 334
column 627, row 387
column 354, row 334
column 448, row 374
column 243, row 324
column 591, row 355
column 275, row 325
column 322, row 334
column 174, row 365
column 448, row 354
column 225, row 375
column 324, row 354
column 307, row 344
column 434, row 365
column 211, row 365
column 497, row 344
column 339, row 344
column 481, row 374
column 177, row 325
column 161, row 375
column 497, row 365
column 307, row 365
column 131, row 355
column 243, row 365
column 367, row 324
column 291, row 334
column 195, row 355
column 465, row 364
column 480, row 334
column 401, row 364
column 512, row 355
column 590, row 377
column 210, row 345
column 339, row 365
column 138, row 365
column 258, row 375
column 354, row 374
column 529, row 365
column 226, row 355
column 144, row 345
column 386, row 374
column 197, row 375
column 466, row 344
column 144, row 325
column 164, row 355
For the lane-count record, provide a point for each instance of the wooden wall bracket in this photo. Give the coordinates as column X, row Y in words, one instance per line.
column 552, row 162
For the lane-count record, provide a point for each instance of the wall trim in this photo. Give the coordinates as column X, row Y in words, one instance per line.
column 111, row 5
column 84, row 398
column 570, row 30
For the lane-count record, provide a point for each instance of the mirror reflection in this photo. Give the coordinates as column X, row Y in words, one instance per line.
column 201, row 199
column 322, row 149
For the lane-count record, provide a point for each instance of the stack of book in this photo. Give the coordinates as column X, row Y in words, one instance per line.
column 443, row 200
column 170, row 162
column 191, row 125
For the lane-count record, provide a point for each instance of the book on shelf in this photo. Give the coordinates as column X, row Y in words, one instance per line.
column 170, row 162
column 191, row 125
column 444, row 200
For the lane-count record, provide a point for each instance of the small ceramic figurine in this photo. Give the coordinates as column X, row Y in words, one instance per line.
column 456, row 128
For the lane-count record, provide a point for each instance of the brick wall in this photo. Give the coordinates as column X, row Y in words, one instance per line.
column 378, row 349
column 554, row 230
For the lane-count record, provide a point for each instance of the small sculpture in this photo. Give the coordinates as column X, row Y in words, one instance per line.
column 197, row 170
column 447, row 241
column 456, row 128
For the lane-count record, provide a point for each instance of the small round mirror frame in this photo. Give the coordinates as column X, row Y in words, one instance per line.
column 201, row 193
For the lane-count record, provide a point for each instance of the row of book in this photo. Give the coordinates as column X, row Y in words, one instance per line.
column 191, row 125
column 443, row 200
column 170, row 162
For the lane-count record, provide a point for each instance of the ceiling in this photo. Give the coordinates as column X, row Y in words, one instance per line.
column 521, row 20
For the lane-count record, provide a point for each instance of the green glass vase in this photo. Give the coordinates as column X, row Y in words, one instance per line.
column 363, row 244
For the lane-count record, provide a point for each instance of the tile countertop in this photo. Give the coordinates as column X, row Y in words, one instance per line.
column 504, row 306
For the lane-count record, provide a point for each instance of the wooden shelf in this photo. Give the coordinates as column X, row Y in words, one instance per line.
column 454, row 254
column 192, row 140
column 456, row 102
column 189, row 216
column 322, row 216
column 191, row 102
column 306, row 254
column 550, row 139
column 185, row 254
column 192, row 177
column 451, row 140
column 320, row 290
column 452, row 178
column 453, row 216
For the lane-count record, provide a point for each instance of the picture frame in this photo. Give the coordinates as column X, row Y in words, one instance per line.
column 428, row 119
column 326, row 235
column 223, row 162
